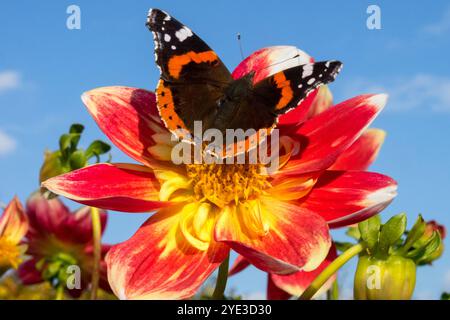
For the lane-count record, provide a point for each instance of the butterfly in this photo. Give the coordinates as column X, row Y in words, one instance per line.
column 195, row 85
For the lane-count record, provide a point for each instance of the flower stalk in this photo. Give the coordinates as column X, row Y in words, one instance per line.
column 330, row 270
column 222, row 279
column 97, row 234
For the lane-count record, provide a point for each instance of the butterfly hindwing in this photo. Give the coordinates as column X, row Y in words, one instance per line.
column 286, row 89
column 193, row 77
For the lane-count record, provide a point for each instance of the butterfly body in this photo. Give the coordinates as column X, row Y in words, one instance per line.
column 195, row 85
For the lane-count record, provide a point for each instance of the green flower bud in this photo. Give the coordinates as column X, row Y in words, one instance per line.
column 393, row 278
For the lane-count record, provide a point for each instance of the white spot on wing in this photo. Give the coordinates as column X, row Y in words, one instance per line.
column 311, row 81
column 183, row 33
column 166, row 37
column 307, row 70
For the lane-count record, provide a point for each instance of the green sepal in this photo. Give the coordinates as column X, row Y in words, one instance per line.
column 370, row 230
column 391, row 232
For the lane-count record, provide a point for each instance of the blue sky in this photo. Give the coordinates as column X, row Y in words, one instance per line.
column 44, row 67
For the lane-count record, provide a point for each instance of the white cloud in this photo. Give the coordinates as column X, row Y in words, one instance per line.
column 9, row 80
column 7, row 144
column 441, row 26
column 421, row 91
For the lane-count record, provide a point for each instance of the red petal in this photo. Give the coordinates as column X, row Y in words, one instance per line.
column 46, row 216
column 268, row 61
column 344, row 198
column 238, row 265
column 128, row 116
column 274, row 292
column 362, row 153
column 78, row 226
column 13, row 222
column 158, row 263
column 28, row 273
column 294, row 284
column 121, row 187
column 324, row 137
column 296, row 238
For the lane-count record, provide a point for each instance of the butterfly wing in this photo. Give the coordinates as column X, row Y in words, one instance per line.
column 192, row 78
column 286, row 89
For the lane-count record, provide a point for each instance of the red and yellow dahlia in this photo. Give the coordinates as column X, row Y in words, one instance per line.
column 13, row 227
column 359, row 156
column 58, row 239
column 278, row 222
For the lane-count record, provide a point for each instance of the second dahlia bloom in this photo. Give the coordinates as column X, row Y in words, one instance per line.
column 57, row 239
column 278, row 222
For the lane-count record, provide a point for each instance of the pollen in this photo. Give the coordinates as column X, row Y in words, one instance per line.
column 222, row 184
column 10, row 254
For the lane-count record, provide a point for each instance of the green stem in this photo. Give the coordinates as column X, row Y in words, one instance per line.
column 222, row 278
column 333, row 293
column 96, row 237
column 59, row 292
column 330, row 270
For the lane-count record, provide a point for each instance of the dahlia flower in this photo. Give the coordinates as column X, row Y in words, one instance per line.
column 359, row 156
column 278, row 222
column 58, row 239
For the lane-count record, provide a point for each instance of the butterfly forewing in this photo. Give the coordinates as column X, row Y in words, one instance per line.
column 193, row 77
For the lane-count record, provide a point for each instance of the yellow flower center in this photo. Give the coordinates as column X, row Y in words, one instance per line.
column 221, row 184
column 10, row 254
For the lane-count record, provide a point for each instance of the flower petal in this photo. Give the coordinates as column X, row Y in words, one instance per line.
column 28, row 273
column 129, row 117
column 362, row 153
column 344, row 198
column 274, row 292
column 238, row 265
column 121, row 187
column 268, row 61
column 294, row 284
column 13, row 222
column 296, row 238
column 46, row 215
column 78, row 226
column 324, row 137
column 158, row 263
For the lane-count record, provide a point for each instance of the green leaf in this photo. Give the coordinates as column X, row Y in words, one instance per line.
column 77, row 160
column 369, row 230
column 354, row 233
column 76, row 128
column 391, row 232
column 416, row 232
column 343, row 246
column 97, row 148
column 429, row 248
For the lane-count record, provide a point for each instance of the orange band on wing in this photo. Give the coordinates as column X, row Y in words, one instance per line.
column 176, row 63
column 286, row 91
column 166, row 108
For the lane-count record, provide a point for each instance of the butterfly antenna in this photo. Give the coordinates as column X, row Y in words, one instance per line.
column 240, row 45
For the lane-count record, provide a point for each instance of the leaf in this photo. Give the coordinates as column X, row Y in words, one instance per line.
column 391, row 232
column 97, row 148
column 76, row 128
column 354, row 233
column 77, row 160
column 369, row 230
column 416, row 232
column 343, row 246
column 430, row 248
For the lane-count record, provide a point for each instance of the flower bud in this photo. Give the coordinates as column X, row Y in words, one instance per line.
column 393, row 278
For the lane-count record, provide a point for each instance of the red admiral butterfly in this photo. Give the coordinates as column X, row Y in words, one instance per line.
column 195, row 85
